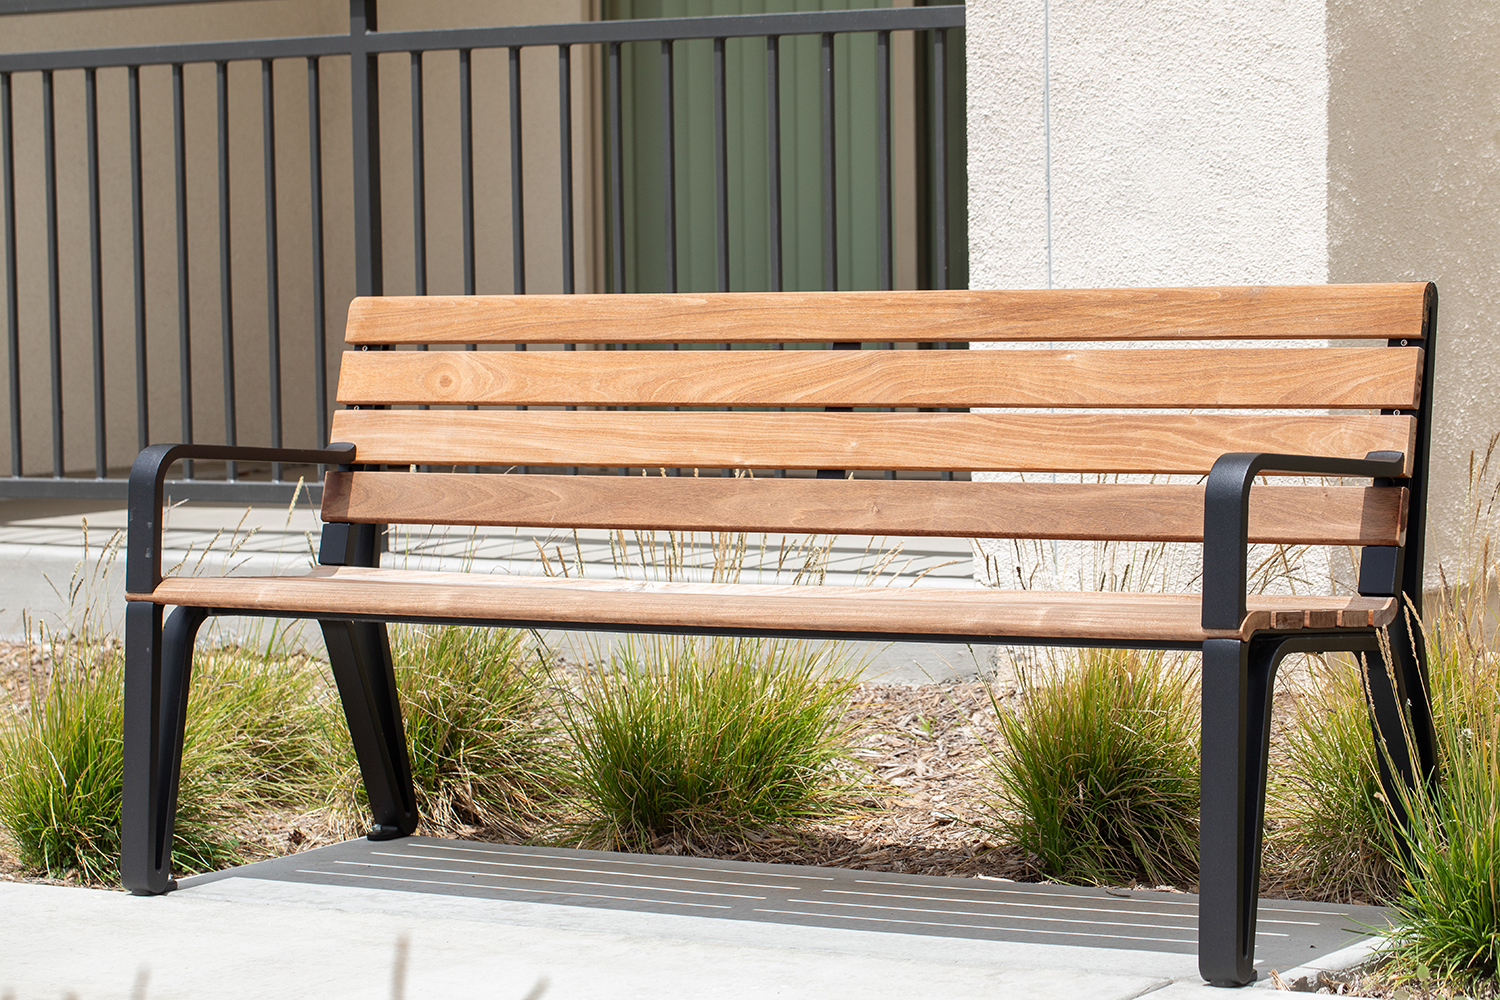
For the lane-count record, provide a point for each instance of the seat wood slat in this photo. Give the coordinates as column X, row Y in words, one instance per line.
column 1019, row 442
column 1321, row 312
column 1290, row 515
column 399, row 594
column 1180, row 379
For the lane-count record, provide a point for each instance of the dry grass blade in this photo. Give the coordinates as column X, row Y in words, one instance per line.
column 701, row 737
column 1097, row 773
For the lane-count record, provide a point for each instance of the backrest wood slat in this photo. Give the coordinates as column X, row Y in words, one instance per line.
column 1291, row 515
column 1177, row 378
column 1321, row 312
column 1020, row 442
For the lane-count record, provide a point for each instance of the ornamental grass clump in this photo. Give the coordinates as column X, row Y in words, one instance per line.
column 1438, row 866
column 1328, row 839
column 698, row 737
column 268, row 708
column 1096, row 777
column 62, row 759
column 62, row 767
column 1448, row 907
column 1446, row 847
column 483, row 751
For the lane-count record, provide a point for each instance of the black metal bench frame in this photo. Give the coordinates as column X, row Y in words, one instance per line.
column 1238, row 676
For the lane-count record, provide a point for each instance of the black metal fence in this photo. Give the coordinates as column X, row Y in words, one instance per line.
column 342, row 248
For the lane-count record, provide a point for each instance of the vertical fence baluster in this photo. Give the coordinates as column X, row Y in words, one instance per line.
column 940, row 155
column 96, row 268
column 721, row 165
column 669, row 163
column 12, row 309
column 830, row 183
column 184, row 301
column 565, row 157
column 418, row 186
column 466, row 174
column 616, row 172
column 773, row 173
column 315, row 189
column 885, row 277
column 517, row 188
column 721, row 180
column 940, row 167
column 616, row 178
column 565, row 154
column 226, row 270
column 418, row 180
column 364, row 93
column 138, row 260
column 54, row 288
column 773, row 159
column 830, row 208
column 466, row 164
column 883, row 247
column 669, row 169
column 517, row 181
column 273, row 268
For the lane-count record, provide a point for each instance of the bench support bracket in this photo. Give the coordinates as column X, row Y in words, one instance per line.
column 1237, row 680
column 360, row 656
column 158, row 670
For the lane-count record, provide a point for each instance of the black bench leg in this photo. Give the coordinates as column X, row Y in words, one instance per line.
column 158, row 670
column 1237, row 679
column 1401, row 715
column 360, row 655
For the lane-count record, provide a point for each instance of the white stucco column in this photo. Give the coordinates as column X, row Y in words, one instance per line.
column 1176, row 142
column 1185, row 142
column 1157, row 142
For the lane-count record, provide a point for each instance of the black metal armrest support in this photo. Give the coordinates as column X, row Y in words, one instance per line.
column 1226, row 518
column 147, row 480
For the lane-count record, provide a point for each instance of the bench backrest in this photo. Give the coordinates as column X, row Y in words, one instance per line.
column 1081, row 393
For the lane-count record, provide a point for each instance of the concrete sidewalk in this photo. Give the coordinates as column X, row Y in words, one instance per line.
column 261, row 932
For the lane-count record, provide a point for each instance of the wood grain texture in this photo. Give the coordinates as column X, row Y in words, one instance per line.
column 1385, row 378
column 398, row 594
column 1313, row 312
column 1031, row 442
column 1291, row 515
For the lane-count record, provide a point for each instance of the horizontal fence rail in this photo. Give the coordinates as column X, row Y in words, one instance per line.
column 129, row 254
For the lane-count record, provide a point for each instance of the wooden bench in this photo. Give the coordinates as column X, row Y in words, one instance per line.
column 1080, row 394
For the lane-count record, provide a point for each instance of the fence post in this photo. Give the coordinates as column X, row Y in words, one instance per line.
column 364, row 72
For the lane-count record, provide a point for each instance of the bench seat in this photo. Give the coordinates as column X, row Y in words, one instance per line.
column 932, row 613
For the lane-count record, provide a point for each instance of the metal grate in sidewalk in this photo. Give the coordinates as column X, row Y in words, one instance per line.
column 1288, row 933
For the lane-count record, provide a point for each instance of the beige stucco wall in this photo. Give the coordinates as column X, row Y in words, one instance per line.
column 1414, row 193
column 263, row 18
